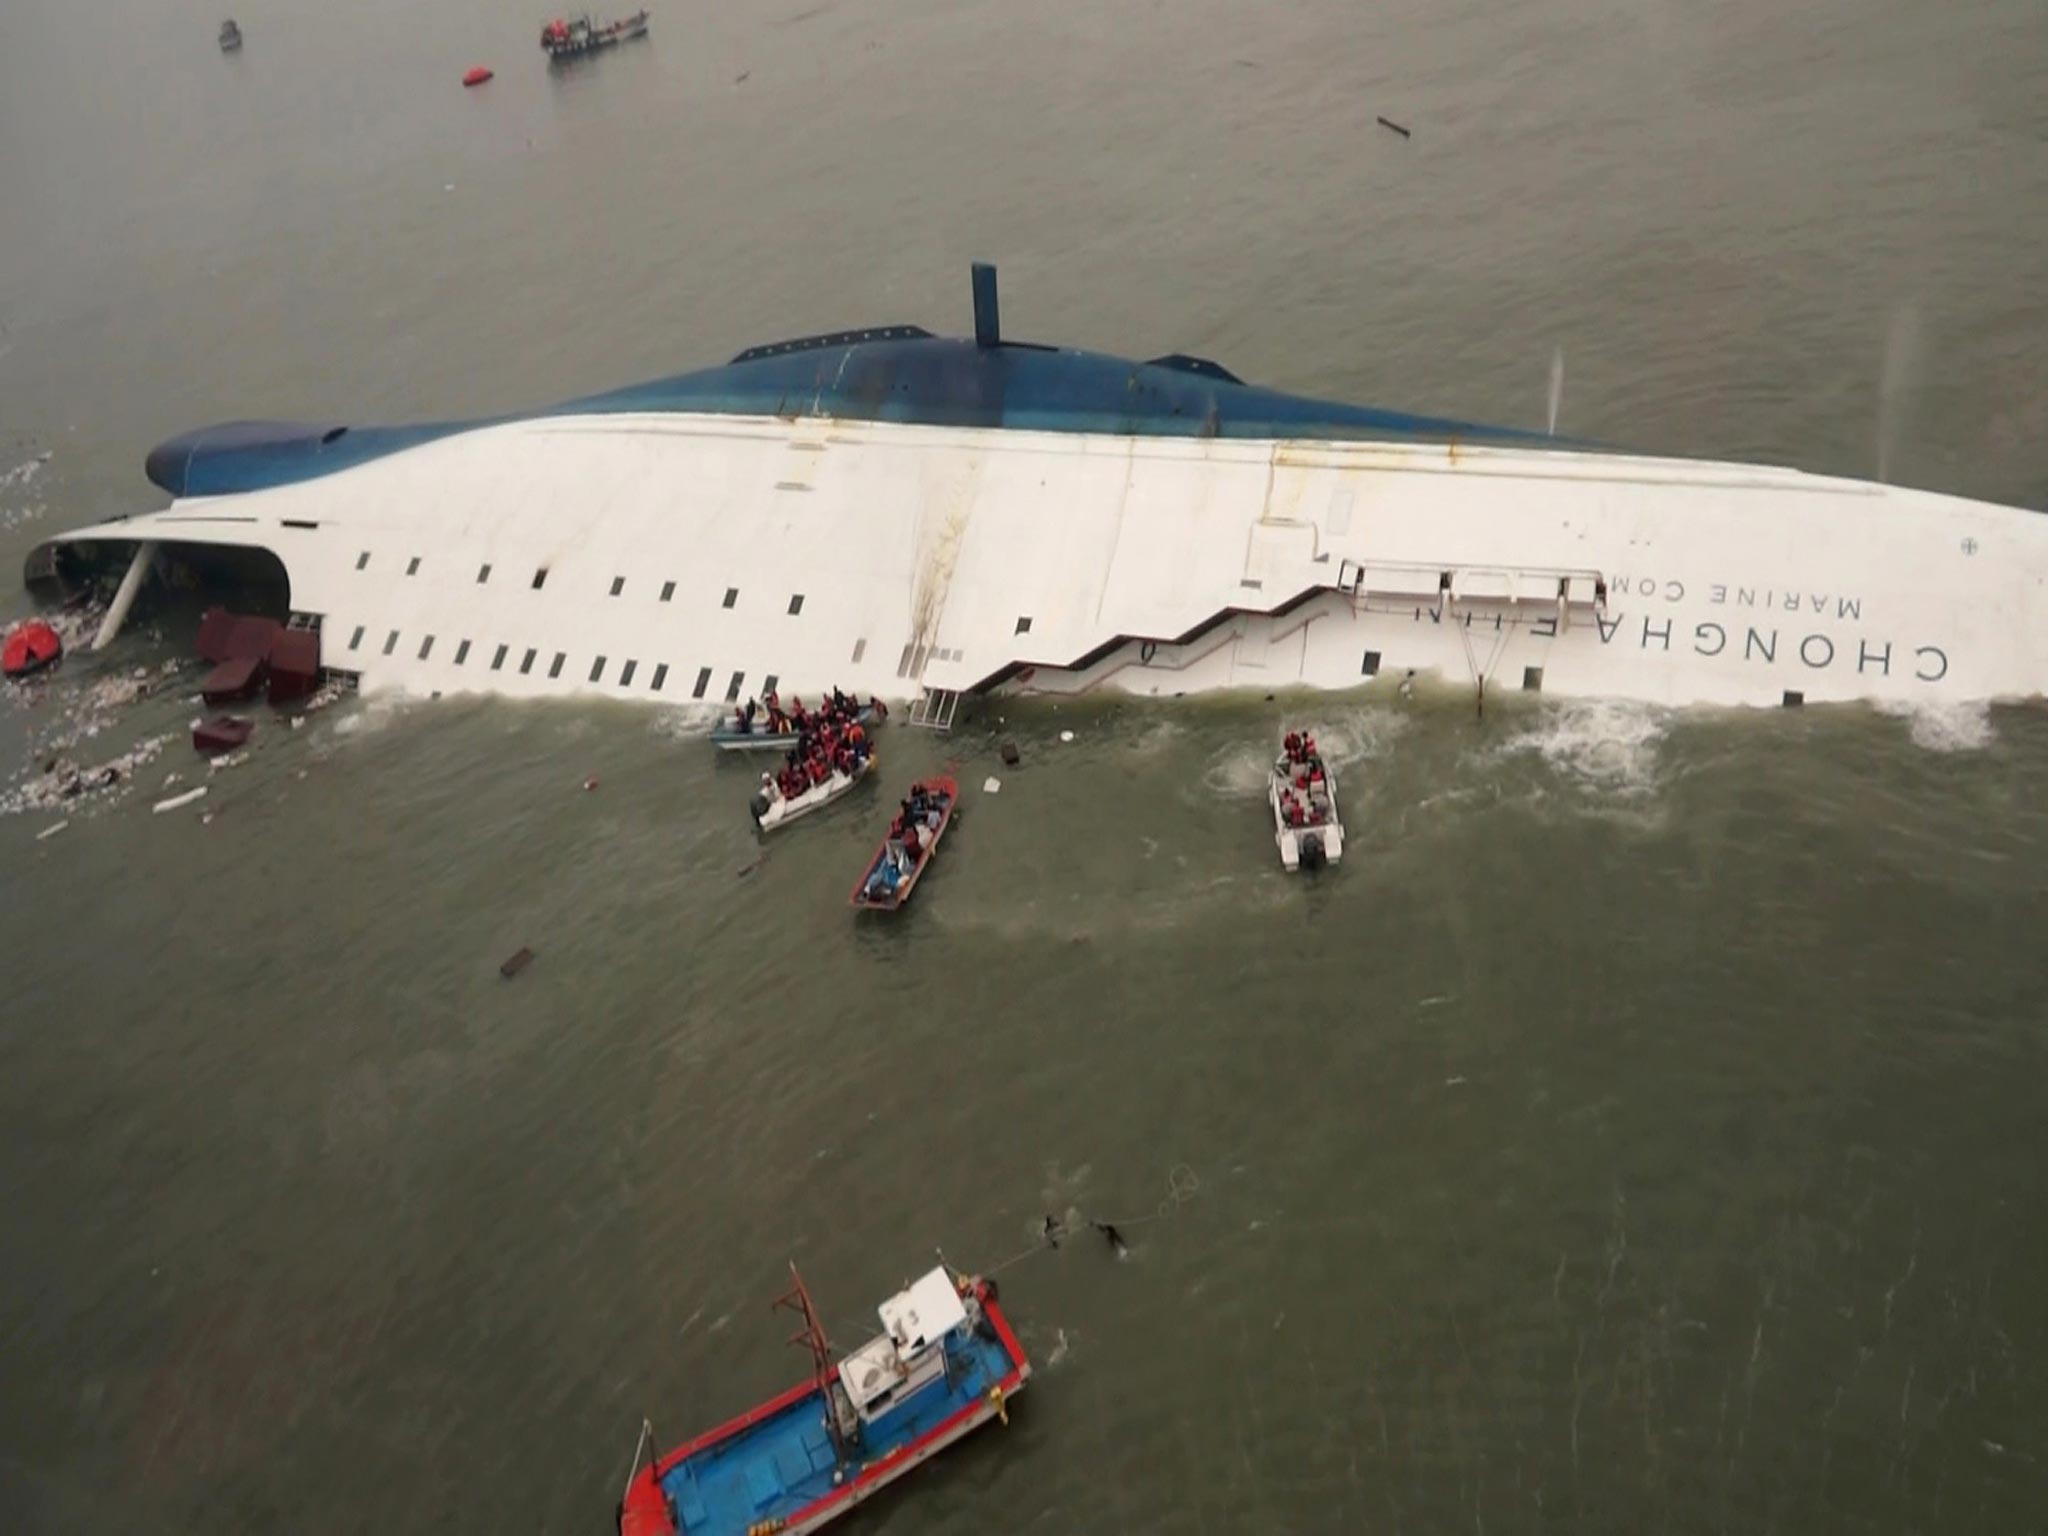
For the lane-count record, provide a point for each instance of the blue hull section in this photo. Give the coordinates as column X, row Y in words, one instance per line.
column 899, row 374
column 780, row 1465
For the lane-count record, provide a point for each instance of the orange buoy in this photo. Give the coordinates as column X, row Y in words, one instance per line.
column 476, row 76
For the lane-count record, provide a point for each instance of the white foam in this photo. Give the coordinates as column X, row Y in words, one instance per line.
column 1959, row 727
column 1239, row 772
column 1358, row 735
column 1611, row 744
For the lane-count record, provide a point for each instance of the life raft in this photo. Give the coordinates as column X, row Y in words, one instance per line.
column 477, row 76
column 29, row 649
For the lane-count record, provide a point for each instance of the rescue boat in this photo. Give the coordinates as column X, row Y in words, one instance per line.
column 1302, row 791
column 894, row 871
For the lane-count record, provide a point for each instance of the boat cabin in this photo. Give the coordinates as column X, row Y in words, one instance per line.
column 910, row 1355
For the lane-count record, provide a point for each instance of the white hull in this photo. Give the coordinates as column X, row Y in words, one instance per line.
column 954, row 558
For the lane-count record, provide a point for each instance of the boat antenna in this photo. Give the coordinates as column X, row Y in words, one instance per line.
column 811, row 1336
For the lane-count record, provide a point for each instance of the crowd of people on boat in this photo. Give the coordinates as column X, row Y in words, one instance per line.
column 910, row 835
column 825, row 741
column 1305, row 795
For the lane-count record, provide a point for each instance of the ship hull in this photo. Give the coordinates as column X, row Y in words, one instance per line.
column 725, row 555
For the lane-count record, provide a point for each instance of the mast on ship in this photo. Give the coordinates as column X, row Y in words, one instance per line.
column 811, row 1336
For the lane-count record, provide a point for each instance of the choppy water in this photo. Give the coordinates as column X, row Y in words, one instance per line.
column 1639, row 1131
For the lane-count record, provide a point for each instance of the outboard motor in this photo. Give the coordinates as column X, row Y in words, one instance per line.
column 759, row 806
column 1312, row 853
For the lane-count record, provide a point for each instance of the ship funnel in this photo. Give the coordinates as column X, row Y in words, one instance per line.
column 988, row 327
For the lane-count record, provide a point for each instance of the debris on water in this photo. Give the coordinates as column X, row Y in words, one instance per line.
column 1453, row 1082
column 516, row 962
column 1394, row 127
column 742, row 77
column 176, row 801
column 1011, row 756
column 1051, row 1232
column 1116, row 1239
column 991, row 785
column 51, row 831
column 1066, row 735
column 590, row 783
column 228, row 760
column 746, row 870
column 63, row 783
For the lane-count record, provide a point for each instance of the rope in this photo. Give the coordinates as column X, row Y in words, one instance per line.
column 646, row 1434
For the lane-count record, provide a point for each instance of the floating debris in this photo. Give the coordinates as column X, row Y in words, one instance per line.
column 1393, row 127
column 51, row 831
column 1011, row 756
column 991, row 785
column 590, row 783
column 516, row 963
column 177, row 801
column 63, row 783
column 1066, row 735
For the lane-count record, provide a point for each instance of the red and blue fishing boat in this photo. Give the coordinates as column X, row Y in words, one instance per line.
column 944, row 1363
column 907, row 851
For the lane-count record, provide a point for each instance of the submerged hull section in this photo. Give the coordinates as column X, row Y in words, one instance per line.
column 673, row 557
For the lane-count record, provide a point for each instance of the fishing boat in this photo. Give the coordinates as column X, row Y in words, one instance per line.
column 893, row 872
column 771, row 808
column 1302, row 791
column 945, row 1363
column 230, row 36
column 574, row 37
column 762, row 737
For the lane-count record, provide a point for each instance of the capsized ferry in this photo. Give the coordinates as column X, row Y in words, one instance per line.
column 945, row 1363
column 927, row 518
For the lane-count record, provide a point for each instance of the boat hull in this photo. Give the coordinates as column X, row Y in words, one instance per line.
column 697, row 1489
column 893, row 900
column 1309, row 847
column 782, row 813
column 910, row 514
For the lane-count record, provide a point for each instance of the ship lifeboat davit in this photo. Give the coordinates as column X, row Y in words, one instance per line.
column 477, row 76
column 29, row 649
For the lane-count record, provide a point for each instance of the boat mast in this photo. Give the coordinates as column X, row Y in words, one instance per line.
column 812, row 1336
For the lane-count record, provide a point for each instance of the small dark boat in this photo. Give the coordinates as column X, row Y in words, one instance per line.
column 30, row 648
column 571, row 39
column 223, row 733
column 230, row 36
column 904, row 856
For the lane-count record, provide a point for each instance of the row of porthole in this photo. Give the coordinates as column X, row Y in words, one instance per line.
column 597, row 667
column 540, row 578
